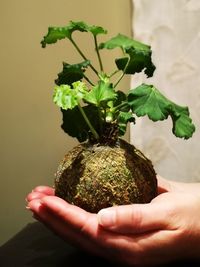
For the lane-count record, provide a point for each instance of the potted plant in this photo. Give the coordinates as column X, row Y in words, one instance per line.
column 105, row 170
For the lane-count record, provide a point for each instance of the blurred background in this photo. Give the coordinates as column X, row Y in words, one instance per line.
column 32, row 142
column 172, row 29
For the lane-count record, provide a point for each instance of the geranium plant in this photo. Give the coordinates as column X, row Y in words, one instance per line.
column 105, row 170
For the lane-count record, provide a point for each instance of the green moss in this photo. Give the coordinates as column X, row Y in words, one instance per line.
column 95, row 177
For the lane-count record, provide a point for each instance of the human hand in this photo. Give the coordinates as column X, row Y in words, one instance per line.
column 70, row 222
column 164, row 230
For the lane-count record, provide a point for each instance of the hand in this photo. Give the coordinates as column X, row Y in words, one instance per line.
column 70, row 222
column 164, row 230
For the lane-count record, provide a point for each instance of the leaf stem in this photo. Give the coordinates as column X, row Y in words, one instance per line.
column 83, row 56
column 98, row 54
column 116, row 108
column 112, row 74
column 122, row 75
column 87, row 79
column 88, row 122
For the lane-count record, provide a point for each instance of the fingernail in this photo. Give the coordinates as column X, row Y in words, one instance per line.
column 34, row 205
column 106, row 217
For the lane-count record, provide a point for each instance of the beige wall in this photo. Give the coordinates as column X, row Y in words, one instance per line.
column 32, row 142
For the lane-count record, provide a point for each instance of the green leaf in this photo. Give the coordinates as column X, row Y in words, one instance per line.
column 139, row 54
column 123, row 119
column 66, row 97
column 95, row 30
column 147, row 100
column 74, row 123
column 121, row 98
column 72, row 72
column 124, row 42
column 57, row 33
column 100, row 93
column 182, row 123
column 137, row 63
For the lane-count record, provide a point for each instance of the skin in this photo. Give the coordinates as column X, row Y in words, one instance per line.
column 162, row 231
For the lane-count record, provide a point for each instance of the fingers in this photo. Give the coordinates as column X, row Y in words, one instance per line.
column 136, row 218
column 81, row 228
column 39, row 192
column 72, row 216
column 34, row 195
column 45, row 190
column 61, row 223
column 69, row 213
column 48, row 218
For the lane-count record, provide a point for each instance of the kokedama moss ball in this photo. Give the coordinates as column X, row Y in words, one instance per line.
column 98, row 176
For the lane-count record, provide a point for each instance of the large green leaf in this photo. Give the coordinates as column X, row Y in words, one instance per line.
column 139, row 55
column 100, row 93
column 123, row 119
column 67, row 97
column 57, row 33
column 147, row 100
column 72, row 72
column 137, row 63
column 74, row 124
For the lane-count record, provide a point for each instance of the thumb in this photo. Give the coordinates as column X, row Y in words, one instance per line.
column 135, row 218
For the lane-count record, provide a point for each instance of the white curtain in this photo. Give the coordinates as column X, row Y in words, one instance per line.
column 172, row 28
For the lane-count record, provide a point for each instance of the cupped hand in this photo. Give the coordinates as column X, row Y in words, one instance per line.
column 164, row 230
column 70, row 222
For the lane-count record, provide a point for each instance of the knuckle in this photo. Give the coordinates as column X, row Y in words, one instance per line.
column 85, row 228
column 136, row 217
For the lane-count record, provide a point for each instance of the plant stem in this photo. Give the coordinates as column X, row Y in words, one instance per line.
column 83, row 56
column 124, row 70
column 88, row 122
column 112, row 74
column 123, row 104
column 98, row 54
column 87, row 79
